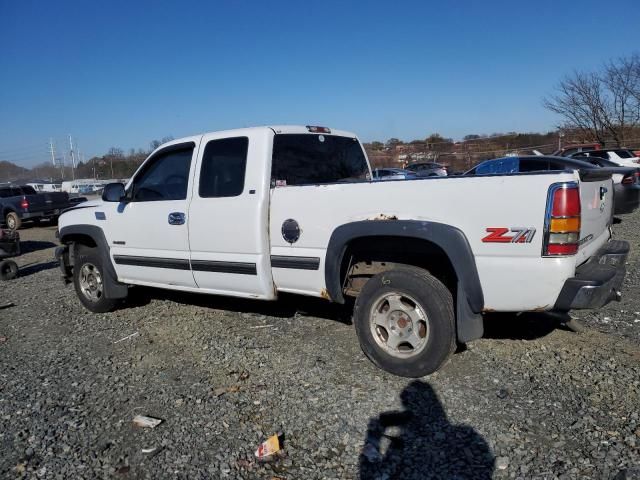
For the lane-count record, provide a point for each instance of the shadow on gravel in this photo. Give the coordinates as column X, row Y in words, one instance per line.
column 287, row 305
column 32, row 268
column 29, row 246
column 526, row 326
column 419, row 442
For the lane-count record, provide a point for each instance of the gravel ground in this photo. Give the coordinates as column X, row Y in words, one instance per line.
column 531, row 400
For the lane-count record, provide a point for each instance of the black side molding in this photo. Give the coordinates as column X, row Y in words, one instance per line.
column 240, row 268
column 154, row 262
column 297, row 263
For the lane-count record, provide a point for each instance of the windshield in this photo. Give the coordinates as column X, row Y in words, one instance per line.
column 624, row 154
column 308, row 159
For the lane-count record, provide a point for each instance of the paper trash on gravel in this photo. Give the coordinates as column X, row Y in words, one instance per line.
column 268, row 448
column 143, row 421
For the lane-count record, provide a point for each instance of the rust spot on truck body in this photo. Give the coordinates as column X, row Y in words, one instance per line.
column 325, row 294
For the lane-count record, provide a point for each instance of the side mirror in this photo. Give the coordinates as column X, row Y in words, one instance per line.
column 113, row 192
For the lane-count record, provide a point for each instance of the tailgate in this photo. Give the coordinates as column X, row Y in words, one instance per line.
column 56, row 200
column 47, row 202
column 596, row 198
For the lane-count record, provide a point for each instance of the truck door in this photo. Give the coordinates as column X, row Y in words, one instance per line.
column 148, row 233
column 228, row 226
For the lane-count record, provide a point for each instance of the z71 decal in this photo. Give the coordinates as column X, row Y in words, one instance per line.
column 509, row 235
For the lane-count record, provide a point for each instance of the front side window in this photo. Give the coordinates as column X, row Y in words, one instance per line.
column 164, row 177
column 308, row 159
column 224, row 164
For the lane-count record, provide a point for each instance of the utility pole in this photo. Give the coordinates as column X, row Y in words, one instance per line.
column 52, row 149
column 73, row 159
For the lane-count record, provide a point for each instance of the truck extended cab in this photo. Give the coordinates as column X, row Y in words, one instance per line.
column 24, row 203
column 259, row 211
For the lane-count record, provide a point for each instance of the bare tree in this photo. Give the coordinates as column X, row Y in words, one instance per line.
column 603, row 105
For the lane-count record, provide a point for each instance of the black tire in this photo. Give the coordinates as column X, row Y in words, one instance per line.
column 86, row 260
column 12, row 221
column 434, row 307
column 8, row 270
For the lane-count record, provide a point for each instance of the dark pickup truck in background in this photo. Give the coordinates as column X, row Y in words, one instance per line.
column 23, row 203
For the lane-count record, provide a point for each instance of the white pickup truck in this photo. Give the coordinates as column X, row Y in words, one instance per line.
column 258, row 211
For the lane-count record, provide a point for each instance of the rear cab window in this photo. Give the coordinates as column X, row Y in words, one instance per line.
column 310, row 159
column 224, row 165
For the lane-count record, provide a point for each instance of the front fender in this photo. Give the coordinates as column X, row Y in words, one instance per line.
column 71, row 233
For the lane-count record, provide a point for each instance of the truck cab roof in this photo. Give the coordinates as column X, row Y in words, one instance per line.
column 278, row 129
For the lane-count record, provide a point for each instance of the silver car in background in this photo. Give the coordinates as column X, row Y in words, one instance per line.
column 428, row 169
column 382, row 174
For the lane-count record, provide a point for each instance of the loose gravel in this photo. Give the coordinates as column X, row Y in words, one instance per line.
column 532, row 400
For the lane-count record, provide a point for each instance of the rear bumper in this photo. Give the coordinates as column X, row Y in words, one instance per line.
column 597, row 281
column 41, row 214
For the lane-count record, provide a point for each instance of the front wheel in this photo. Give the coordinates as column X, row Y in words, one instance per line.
column 88, row 280
column 405, row 322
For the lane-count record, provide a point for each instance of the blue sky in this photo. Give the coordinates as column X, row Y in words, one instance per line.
column 122, row 73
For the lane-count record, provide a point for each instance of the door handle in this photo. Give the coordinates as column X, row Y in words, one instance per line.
column 177, row 218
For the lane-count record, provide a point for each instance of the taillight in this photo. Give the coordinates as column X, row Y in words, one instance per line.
column 24, row 203
column 562, row 220
column 316, row 129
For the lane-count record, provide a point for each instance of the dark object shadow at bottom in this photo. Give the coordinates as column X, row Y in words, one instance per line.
column 420, row 443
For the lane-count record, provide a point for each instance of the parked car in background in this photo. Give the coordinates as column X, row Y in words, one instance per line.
column 20, row 203
column 429, row 169
column 620, row 156
column 576, row 148
column 41, row 187
column 626, row 180
column 382, row 174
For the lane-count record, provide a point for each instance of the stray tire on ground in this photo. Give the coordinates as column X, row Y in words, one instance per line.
column 8, row 270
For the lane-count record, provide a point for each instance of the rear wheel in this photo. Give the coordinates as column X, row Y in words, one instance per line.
column 12, row 220
column 88, row 280
column 8, row 270
column 405, row 322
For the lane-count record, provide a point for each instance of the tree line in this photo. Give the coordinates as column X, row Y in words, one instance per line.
column 603, row 104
